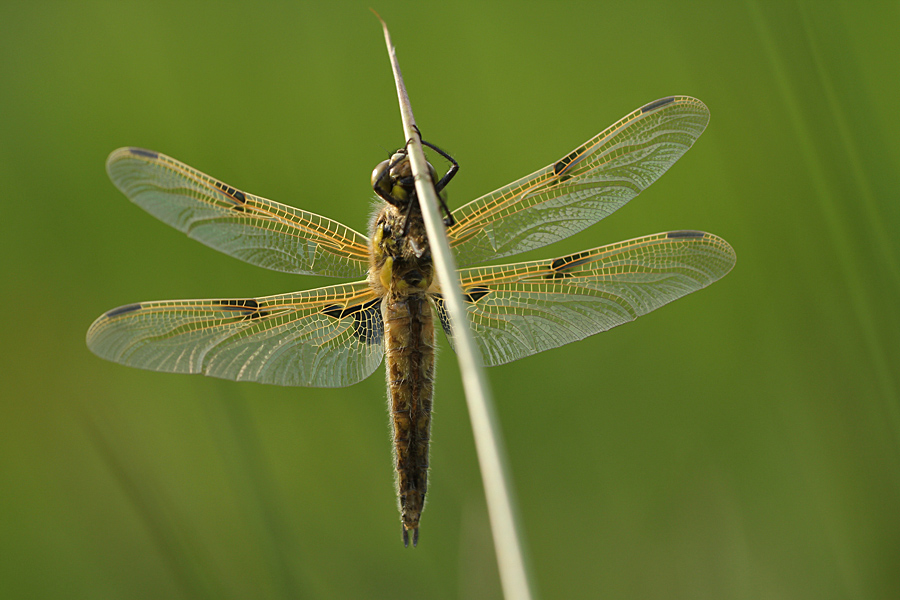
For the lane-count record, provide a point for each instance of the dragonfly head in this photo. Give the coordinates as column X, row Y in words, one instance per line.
column 393, row 179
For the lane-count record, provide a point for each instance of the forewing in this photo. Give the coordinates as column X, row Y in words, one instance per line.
column 581, row 188
column 327, row 337
column 258, row 231
column 525, row 308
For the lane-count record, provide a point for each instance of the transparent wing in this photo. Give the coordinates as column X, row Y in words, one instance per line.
column 258, row 231
column 581, row 188
column 327, row 337
column 525, row 308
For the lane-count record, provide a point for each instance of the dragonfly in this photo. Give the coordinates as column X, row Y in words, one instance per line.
column 338, row 335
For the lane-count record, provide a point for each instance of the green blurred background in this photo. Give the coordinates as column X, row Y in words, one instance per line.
column 743, row 442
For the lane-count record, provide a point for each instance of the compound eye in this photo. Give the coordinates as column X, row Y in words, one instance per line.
column 380, row 177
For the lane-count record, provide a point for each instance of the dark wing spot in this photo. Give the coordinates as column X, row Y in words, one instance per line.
column 657, row 104
column 560, row 265
column 368, row 326
column 563, row 177
column 471, row 296
column 475, row 294
column 573, row 158
column 248, row 307
column 122, row 310
column 557, row 274
column 333, row 311
column 235, row 195
column 338, row 312
column 561, row 166
column 443, row 315
column 685, row 234
column 146, row 153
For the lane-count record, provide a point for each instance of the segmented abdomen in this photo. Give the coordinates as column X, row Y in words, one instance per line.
column 409, row 358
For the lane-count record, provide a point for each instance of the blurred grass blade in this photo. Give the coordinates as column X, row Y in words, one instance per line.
column 177, row 543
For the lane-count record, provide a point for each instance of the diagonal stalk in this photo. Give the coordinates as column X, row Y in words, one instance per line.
column 488, row 442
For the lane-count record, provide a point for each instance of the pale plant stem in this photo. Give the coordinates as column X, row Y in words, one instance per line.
column 488, row 442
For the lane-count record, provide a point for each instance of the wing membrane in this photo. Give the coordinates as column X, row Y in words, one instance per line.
column 327, row 337
column 258, row 231
column 522, row 309
column 583, row 187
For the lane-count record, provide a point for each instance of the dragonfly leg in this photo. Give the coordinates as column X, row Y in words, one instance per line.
column 451, row 173
column 440, row 185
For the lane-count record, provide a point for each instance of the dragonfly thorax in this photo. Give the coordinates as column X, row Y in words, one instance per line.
column 400, row 255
